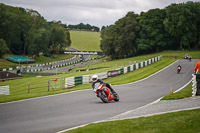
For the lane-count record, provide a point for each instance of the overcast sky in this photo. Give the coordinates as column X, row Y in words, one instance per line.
column 94, row 12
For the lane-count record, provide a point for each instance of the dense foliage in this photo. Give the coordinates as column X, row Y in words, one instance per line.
column 175, row 27
column 82, row 26
column 120, row 39
column 26, row 32
column 3, row 48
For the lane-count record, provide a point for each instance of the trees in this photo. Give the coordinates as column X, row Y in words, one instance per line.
column 39, row 42
column 182, row 22
column 106, row 44
column 83, row 26
column 3, row 48
column 59, row 38
column 119, row 40
column 152, row 36
column 174, row 27
column 25, row 31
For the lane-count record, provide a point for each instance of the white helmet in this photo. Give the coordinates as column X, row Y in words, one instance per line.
column 94, row 78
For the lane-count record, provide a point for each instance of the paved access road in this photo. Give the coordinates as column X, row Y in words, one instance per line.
column 54, row 113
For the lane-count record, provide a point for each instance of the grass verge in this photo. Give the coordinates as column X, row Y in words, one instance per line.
column 178, row 122
column 184, row 93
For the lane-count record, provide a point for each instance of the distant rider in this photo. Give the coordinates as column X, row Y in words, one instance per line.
column 179, row 66
column 95, row 80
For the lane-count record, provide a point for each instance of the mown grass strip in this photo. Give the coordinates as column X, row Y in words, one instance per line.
column 85, row 40
column 178, row 122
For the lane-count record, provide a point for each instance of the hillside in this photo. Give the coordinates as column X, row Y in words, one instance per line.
column 85, row 40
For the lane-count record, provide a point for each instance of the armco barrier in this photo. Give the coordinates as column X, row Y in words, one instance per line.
column 32, row 68
column 73, row 81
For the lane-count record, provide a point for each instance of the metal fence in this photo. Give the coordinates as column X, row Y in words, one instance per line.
column 50, row 84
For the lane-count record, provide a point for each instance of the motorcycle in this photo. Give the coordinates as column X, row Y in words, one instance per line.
column 104, row 93
column 178, row 69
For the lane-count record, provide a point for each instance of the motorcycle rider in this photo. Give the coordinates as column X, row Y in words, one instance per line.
column 178, row 68
column 95, row 79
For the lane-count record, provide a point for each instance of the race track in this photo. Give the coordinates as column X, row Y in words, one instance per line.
column 55, row 113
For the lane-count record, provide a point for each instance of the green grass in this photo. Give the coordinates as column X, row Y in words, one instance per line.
column 6, row 64
column 19, row 87
column 178, row 122
column 184, row 93
column 85, row 40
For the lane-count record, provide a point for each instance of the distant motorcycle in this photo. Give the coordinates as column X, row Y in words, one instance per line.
column 190, row 58
column 104, row 93
column 178, row 69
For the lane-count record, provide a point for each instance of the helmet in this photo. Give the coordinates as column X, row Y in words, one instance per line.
column 94, row 78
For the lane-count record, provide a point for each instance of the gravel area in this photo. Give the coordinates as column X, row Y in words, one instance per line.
column 161, row 107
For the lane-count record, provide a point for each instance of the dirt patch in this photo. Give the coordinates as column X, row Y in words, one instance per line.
column 8, row 76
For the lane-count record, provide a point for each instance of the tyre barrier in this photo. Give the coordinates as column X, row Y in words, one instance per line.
column 40, row 67
column 195, row 84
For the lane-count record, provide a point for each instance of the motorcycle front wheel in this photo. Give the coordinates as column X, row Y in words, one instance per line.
column 103, row 96
column 116, row 97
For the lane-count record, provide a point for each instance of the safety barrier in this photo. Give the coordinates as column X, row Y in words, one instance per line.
column 39, row 67
column 195, row 84
column 73, row 81
column 4, row 90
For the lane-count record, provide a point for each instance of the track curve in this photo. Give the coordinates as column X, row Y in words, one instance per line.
column 54, row 113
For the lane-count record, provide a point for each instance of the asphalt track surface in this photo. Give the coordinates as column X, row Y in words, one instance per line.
column 59, row 112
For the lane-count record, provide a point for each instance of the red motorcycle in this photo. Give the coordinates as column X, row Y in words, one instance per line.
column 178, row 69
column 105, row 94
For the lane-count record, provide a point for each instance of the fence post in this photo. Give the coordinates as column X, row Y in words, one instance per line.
column 48, row 85
column 28, row 87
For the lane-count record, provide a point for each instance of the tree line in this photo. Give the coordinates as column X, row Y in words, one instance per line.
column 25, row 31
column 83, row 26
column 176, row 27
